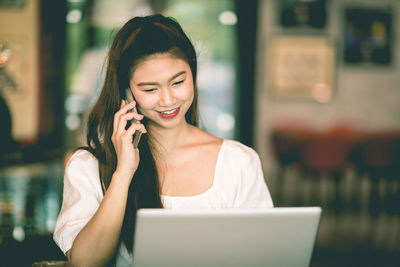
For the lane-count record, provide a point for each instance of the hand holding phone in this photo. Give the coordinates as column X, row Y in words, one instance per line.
column 137, row 134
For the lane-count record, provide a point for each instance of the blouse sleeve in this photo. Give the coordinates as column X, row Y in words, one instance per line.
column 252, row 190
column 82, row 195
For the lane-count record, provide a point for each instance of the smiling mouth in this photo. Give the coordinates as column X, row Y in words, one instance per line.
column 169, row 114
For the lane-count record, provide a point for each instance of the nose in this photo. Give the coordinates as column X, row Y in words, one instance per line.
column 167, row 98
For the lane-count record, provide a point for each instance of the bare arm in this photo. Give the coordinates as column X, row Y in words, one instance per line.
column 96, row 243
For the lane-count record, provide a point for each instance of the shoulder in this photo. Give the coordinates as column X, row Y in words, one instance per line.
column 236, row 150
column 81, row 161
column 238, row 158
column 82, row 174
column 202, row 139
column 80, row 156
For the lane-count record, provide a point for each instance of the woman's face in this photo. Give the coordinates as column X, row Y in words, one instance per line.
column 163, row 88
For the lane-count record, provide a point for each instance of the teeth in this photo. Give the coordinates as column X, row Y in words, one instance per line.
column 168, row 112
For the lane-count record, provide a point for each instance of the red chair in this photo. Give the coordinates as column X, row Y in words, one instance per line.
column 285, row 140
column 378, row 156
column 285, row 147
column 327, row 154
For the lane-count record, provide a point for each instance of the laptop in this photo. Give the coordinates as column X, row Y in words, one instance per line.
column 232, row 237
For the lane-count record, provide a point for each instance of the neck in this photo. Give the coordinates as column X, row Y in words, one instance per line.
column 169, row 138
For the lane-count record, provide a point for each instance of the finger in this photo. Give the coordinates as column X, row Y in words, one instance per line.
column 136, row 127
column 115, row 121
column 124, row 109
column 130, row 116
column 130, row 95
column 133, row 116
column 116, row 116
column 128, row 106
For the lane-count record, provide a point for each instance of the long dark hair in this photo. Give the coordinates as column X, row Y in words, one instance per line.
column 138, row 39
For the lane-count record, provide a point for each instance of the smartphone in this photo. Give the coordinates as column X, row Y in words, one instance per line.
column 137, row 134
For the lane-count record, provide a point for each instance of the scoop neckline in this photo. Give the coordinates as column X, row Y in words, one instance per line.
column 211, row 187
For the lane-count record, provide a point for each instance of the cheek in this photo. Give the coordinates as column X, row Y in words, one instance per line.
column 187, row 93
column 145, row 101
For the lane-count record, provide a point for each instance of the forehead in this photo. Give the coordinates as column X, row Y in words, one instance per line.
column 159, row 66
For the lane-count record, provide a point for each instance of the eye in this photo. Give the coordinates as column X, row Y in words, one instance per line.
column 150, row 90
column 178, row 83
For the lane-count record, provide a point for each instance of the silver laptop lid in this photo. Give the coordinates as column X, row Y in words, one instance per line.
column 261, row 237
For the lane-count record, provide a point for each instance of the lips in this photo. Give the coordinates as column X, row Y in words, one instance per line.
column 169, row 114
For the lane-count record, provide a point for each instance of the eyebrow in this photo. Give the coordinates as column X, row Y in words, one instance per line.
column 169, row 80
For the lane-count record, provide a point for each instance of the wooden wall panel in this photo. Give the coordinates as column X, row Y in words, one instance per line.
column 20, row 31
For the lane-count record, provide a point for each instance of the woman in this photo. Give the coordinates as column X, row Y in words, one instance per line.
column 176, row 165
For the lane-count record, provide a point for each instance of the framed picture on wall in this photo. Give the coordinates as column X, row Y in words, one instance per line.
column 12, row 3
column 300, row 13
column 367, row 36
column 12, row 62
column 301, row 67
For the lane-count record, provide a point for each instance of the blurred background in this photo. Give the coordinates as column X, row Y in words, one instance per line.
column 311, row 85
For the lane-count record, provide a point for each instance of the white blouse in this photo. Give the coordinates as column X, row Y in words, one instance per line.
column 238, row 183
